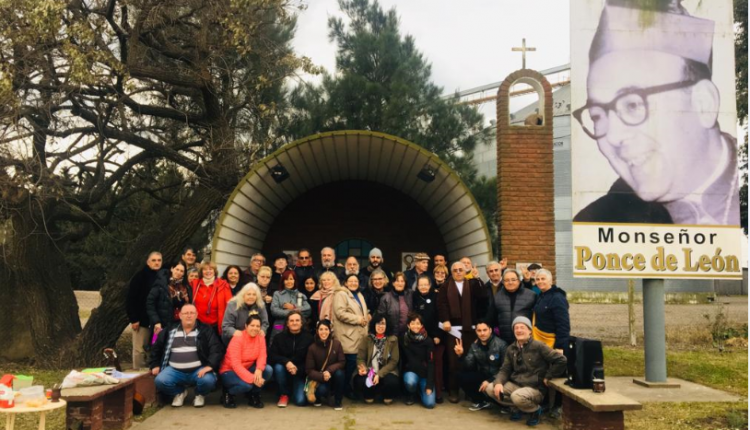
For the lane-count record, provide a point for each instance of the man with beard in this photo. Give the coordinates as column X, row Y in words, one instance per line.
column 376, row 262
column 351, row 267
column 328, row 264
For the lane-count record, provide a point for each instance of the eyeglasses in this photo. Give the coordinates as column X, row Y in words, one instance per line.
column 630, row 106
column 457, row 270
column 307, row 257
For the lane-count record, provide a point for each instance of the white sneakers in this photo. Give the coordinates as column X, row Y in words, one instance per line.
column 179, row 399
column 199, row 401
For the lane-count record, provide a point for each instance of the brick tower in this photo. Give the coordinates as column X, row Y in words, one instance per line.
column 525, row 190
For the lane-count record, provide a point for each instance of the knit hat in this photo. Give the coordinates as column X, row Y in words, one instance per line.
column 376, row 252
column 522, row 320
column 419, row 256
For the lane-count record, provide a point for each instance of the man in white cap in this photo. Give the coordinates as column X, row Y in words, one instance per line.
column 527, row 367
column 421, row 264
column 652, row 109
column 376, row 262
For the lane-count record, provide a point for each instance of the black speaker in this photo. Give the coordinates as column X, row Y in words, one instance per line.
column 582, row 355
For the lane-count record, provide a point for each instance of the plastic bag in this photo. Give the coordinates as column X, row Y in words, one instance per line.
column 78, row 379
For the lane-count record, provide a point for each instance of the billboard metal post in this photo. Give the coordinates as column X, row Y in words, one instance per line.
column 654, row 334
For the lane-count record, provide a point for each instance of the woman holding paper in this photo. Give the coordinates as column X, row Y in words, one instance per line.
column 377, row 364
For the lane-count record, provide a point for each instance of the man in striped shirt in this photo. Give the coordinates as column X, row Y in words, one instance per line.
column 186, row 356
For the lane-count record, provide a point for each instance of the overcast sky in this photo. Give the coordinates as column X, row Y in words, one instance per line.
column 468, row 42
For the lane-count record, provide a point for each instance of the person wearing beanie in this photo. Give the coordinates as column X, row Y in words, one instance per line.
column 527, row 367
column 376, row 262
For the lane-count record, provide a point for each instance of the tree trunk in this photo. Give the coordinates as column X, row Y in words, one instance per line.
column 108, row 321
column 38, row 310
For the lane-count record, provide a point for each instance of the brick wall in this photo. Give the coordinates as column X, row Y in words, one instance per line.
column 525, row 186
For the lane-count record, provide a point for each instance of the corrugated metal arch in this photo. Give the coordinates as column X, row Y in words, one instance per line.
column 349, row 155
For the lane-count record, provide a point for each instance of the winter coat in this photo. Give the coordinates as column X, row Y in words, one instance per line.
column 390, row 351
column 455, row 308
column 412, row 277
column 530, row 366
column 289, row 296
column 551, row 315
column 316, row 356
column 390, row 309
column 302, row 274
column 140, row 287
column 160, row 305
column 485, row 359
column 373, row 298
column 503, row 310
column 243, row 353
column 419, row 358
column 338, row 271
column 288, row 347
column 427, row 307
column 222, row 296
column 346, row 317
column 210, row 348
column 235, row 319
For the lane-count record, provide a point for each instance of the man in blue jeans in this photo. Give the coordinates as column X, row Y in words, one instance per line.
column 287, row 356
column 186, row 356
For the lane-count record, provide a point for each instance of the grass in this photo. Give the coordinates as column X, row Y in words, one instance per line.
column 615, row 298
column 725, row 371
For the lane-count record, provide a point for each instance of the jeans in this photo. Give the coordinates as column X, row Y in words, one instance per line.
column 351, row 368
column 336, row 383
column 172, row 382
column 284, row 378
column 234, row 385
column 412, row 381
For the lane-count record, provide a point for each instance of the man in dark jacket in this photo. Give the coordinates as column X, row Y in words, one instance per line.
column 480, row 364
column 421, row 264
column 459, row 304
column 376, row 262
column 509, row 302
column 287, row 356
column 304, row 268
column 140, row 285
column 185, row 356
column 527, row 368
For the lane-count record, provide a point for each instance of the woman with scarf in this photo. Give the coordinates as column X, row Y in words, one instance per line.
column 320, row 299
column 419, row 366
column 424, row 301
column 324, row 364
column 377, row 287
column 210, row 296
column 377, row 364
column 232, row 276
column 166, row 297
column 287, row 300
column 247, row 302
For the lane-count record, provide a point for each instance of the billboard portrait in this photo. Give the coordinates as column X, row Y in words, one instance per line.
column 655, row 172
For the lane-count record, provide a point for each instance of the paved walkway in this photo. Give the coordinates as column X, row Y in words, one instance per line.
column 688, row 391
column 355, row 416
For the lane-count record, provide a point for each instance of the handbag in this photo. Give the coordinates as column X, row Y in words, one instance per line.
column 310, row 384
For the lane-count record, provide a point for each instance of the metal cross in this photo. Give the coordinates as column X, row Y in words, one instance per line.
column 523, row 50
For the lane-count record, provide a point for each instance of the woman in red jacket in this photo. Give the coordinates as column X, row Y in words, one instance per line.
column 244, row 369
column 210, row 296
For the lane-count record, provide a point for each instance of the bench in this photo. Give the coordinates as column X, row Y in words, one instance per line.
column 585, row 409
column 107, row 406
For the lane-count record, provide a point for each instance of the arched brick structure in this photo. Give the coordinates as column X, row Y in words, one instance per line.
column 525, row 191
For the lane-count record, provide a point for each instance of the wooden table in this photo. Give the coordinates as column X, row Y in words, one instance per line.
column 585, row 409
column 105, row 406
column 10, row 419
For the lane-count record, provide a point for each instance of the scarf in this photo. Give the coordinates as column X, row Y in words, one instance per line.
column 412, row 337
column 378, row 358
column 324, row 306
column 177, row 290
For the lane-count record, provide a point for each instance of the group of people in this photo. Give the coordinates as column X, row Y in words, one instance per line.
column 323, row 333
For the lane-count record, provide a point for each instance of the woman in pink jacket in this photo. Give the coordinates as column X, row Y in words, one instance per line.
column 244, row 369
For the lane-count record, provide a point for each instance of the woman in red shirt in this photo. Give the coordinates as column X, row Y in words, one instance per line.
column 210, row 296
column 244, row 368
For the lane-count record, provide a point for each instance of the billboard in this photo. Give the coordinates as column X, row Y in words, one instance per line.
column 654, row 149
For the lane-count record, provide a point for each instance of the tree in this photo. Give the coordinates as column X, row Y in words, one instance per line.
column 383, row 83
column 740, row 68
column 106, row 101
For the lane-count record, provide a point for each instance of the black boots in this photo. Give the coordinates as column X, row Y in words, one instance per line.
column 254, row 401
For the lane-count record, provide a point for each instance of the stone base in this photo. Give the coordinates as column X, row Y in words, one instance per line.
column 644, row 383
column 578, row 417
